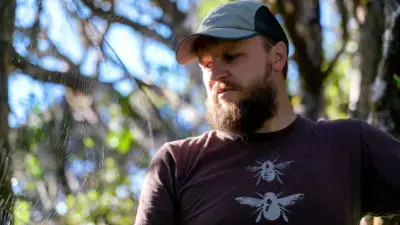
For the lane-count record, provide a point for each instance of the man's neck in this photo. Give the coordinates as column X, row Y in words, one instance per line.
column 280, row 121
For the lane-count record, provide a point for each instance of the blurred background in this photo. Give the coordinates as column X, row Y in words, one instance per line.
column 90, row 89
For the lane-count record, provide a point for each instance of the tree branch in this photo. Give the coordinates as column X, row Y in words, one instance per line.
column 142, row 85
column 335, row 59
column 177, row 18
column 310, row 71
column 345, row 36
column 370, row 53
column 171, row 8
column 111, row 17
column 72, row 78
column 302, row 20
column 388, row 65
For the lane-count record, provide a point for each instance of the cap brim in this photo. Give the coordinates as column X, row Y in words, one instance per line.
column 185, row 53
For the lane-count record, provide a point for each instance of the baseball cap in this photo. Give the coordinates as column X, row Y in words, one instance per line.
column 233, row 20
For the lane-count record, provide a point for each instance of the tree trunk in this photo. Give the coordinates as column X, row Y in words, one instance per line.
column 386, row 98
column 7, row 12
column 310, row 30
column 370, row 43
column 385, row 92
column 302, row 20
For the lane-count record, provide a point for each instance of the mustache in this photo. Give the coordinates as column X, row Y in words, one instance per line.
column 224, row 85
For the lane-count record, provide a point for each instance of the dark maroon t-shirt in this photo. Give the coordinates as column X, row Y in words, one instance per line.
column 326, row 172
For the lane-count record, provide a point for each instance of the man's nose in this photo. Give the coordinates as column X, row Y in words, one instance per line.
column 218, row 71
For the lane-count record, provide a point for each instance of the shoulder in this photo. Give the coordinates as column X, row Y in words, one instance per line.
column 344, row 125
column 179, row 156
column 349, row 125
column 348, row 129
column 189, row 142
column 188, row 148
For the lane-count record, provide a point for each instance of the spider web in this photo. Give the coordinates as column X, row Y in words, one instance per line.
column 79, row 154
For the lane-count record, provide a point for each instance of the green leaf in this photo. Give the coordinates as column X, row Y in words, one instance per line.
column 121, row 142
column 74, row 218
column 33, row 147
column 333, row 91
column 22, row 213
column 364, row 2
column 104, row 202
column 127, row 205
column 206, row 6
column 157, row 99
column 93, row 195
column 31, row 186
column 396, row 79
column 125, row 180
column 36, row 108
column 125, row 105
column 115, row 111
column 88, row 142
column 70, row 201
column 125, row 142
column 126, row 220
column 38, row 133
column 112, row 139
column 33, row 165
column 110, row 163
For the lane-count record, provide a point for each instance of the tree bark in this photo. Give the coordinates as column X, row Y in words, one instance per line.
column 386, row 98
column 370, row 53
column 302, row 20
column 385, row 92
column 7, row 12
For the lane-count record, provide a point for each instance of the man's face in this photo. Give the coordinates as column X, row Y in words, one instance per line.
column 238, row 80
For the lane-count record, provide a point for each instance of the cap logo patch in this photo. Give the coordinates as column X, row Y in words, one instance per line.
column 212, row 18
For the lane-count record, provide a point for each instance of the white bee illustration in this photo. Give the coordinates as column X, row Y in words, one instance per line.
column 270, row 205
column 268, row 171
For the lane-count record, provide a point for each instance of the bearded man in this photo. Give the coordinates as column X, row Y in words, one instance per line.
column 261, row 163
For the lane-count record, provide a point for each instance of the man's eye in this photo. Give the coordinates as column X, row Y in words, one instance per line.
column 230, row 57
column 208, row 65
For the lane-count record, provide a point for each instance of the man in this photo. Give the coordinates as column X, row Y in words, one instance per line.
column 261, row 163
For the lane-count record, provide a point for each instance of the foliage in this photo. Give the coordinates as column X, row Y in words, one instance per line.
column 99, row 91
column 79, row 157
column 206, row 6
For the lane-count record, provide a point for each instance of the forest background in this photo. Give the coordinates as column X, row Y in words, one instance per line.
column 90, row 89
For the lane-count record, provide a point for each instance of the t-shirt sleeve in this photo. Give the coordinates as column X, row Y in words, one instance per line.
column 158, row 204
column 380, row 185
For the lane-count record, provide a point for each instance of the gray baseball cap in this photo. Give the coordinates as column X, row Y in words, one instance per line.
column 233, row 20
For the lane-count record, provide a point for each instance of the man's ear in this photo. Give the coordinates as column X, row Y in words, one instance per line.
column 280, row 57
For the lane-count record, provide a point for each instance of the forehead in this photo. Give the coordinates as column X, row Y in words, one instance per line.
column 205, row 45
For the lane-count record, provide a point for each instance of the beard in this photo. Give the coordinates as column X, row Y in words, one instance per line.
column 246, row 116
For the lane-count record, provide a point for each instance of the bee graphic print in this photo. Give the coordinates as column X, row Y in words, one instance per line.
column 269, row 170
column 270, row 206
